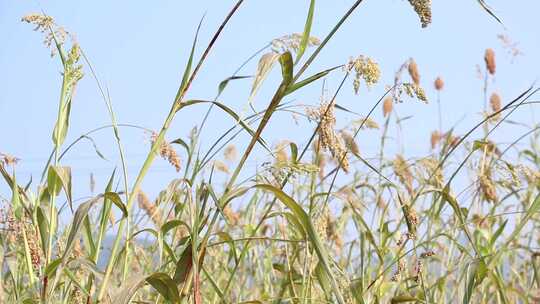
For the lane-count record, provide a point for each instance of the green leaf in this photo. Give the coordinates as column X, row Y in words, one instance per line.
column 103, row 218
column 286, row 62
column 96, row 149
column 171, row 225
column 307, row 31
column 183, row 266
column 187, row 71
column 128, row 289
column 231, row 113
column 313, row 237
column 115, row 199
column 62, row 124
column 223, row 84
column 43, row 225
column 76, row 224
column 16, row 200
column 322, row 278
column 59, row 177
column 78, row 219
column 403, row 299
column 302, row 83
column 497, row 233
column 181, row 142
column 294, row 152
column 165, row 286
column 52, row 266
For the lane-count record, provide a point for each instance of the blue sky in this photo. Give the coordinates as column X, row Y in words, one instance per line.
column 139, row 50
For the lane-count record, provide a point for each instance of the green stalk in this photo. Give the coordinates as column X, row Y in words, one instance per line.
column 56, row 150
column 154, row 150
column 146, row 166
column 116, row 132
column 27, row 257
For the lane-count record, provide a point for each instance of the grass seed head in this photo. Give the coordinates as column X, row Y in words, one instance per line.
column 489, row 59
column 328, row 138
column 403, row 172
column 423, row 10
column 167, row 152
column 232, row 217
column 413, row 72
column 221, row 166
column 54, row 34
column 487, row 187
column 149, row 208
column 439, row 84
column 495, row 102
column 365, row 68
column 230, row 153
column 8, row 160
column 388, row 106
column 436, row 137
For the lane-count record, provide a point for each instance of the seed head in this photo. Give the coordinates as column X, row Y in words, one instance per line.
column 33, row 245
column 423, row 10
column 403, row 172
column 413, row 72
column 149, row 208
column 230, row 153
column 292, row 43
column 439, row 84
column 8, row 160
column 388, row 105
column 427, row 254
column 411, row 215
column 281, row 153
column 365, row 68
column 232, row 217
column 413, row 90
column 495, row 102
column 328, row 137
column 488, row 188
column 489, row 58
column 54, row 34
column 221, row 166
column 167, row 152
column 435, row 138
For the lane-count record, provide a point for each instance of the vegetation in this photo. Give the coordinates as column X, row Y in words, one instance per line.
column 317, row 223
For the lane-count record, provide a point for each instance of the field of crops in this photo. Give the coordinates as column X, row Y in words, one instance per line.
column 318, row 219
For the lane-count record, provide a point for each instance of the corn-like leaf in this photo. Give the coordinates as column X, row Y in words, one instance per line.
column 307, row 32
column 266, row 63
column 62, row 124
column 231, row 113
column 302, row 83
column 307, row 226
column 165, row 286
column 223, row 84
column 59, row 177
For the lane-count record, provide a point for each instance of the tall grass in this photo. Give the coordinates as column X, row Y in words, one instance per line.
column 317, row 223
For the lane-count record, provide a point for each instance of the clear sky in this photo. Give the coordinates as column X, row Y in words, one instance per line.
column 139, row 49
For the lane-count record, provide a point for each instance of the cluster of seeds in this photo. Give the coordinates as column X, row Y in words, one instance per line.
column 292, row 43
column 423, row 10
column 167, row 152
column 364, row 68
column 328, row 137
